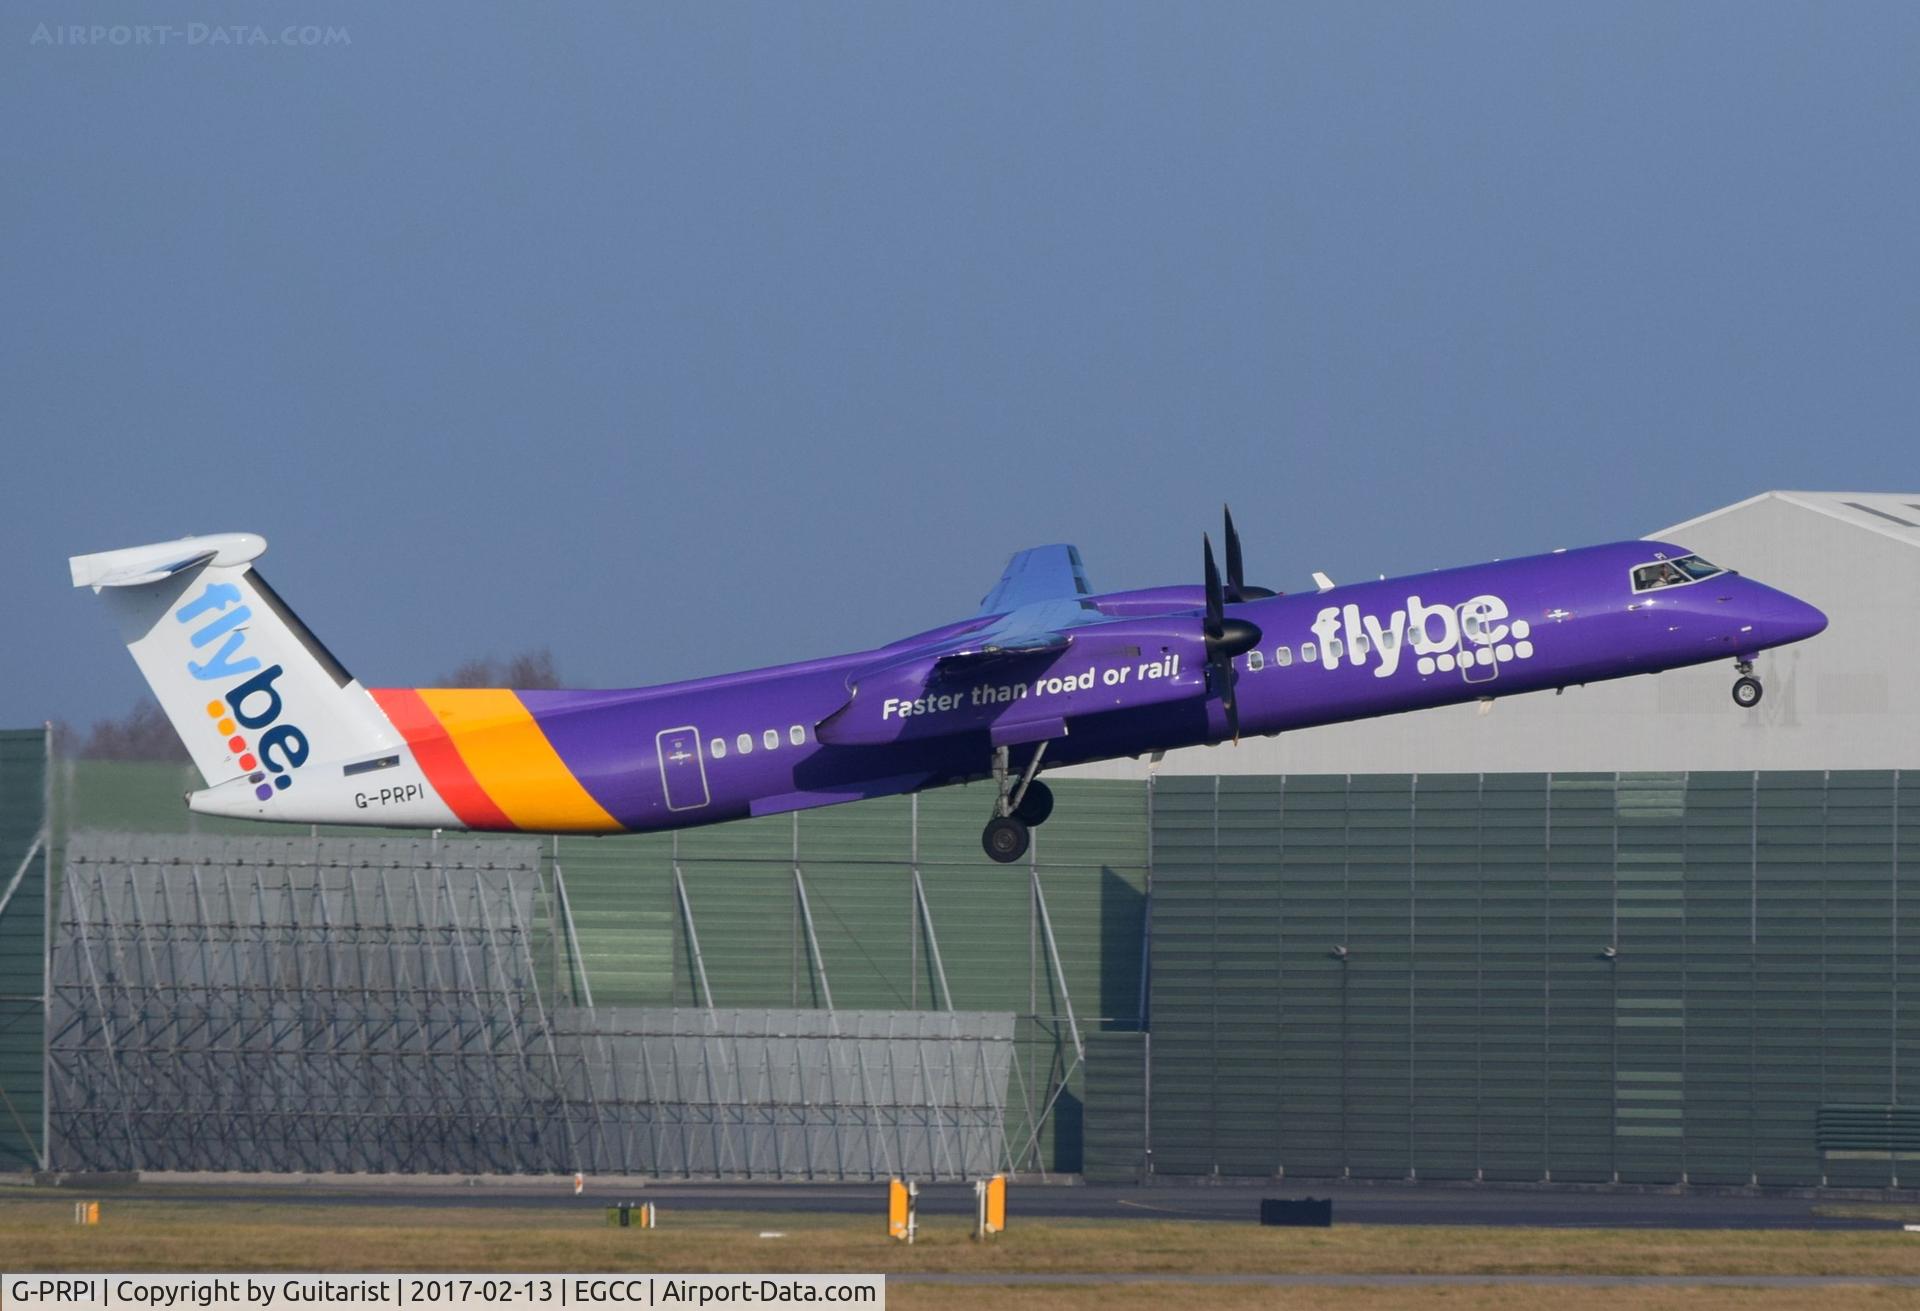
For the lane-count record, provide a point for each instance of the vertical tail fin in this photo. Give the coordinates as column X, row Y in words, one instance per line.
column 248, row 688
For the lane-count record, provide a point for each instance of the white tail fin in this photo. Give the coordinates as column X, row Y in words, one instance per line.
column 250, row 691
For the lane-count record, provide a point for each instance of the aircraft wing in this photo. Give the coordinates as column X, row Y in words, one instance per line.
column 1041, row 594
column 1038, row 600
column 1039, row 573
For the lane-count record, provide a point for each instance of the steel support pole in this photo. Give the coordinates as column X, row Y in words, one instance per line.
column 933, row 940
column 576, row 965
column 693, row 937
column 813, row 942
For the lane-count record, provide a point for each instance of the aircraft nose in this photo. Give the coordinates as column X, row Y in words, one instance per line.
column 1779, row 619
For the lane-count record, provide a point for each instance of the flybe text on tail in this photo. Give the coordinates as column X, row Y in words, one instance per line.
column 254, row 707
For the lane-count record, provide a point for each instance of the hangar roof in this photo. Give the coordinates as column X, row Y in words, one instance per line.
column 1892, row 514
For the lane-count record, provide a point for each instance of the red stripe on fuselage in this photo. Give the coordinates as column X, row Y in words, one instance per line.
column 442, row 763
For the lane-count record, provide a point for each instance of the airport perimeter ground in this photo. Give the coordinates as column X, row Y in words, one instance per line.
column 1114, row 1249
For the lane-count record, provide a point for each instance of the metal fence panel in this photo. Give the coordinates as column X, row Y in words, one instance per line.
column 1116, row 1130
column 24, row 861
column 789, row 1094
column 1648, row 977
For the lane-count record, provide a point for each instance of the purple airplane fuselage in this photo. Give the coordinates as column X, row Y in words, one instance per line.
column 1136, row 681
column 1046, row 673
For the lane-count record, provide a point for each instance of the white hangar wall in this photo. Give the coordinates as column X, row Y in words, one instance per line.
column 1843, row 700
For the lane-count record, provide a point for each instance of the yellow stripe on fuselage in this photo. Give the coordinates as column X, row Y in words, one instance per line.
column 514, row 763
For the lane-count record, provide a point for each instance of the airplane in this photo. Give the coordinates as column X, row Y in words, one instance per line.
column 1046, row 673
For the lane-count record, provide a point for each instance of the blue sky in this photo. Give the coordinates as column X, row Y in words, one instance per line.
column 682, row 338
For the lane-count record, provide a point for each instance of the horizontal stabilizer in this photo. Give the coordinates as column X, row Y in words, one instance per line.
column 135, row 565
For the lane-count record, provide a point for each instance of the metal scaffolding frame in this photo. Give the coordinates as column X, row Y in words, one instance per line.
column 789, row 1094
column 301, row 1005
column 331, row 1004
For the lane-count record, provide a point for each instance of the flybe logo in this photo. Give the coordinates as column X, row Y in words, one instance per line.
column 1442, row 637
column 252, row 707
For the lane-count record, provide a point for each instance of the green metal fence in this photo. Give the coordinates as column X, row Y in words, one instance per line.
column 23, row 868
column 1650, row 978
column 887, row 904
column 1577, row 978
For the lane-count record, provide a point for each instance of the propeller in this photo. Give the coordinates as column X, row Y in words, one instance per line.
column 1225, row 638
column 1237, row 588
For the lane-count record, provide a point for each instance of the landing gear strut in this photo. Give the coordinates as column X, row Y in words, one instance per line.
column 1746, row 688
column 1020, row 804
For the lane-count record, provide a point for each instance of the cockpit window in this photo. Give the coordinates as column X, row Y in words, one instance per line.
column 1673, row 573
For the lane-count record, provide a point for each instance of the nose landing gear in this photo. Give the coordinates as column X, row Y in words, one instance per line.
column 1746, row 688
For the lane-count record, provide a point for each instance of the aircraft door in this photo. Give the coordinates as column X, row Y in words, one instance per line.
column 1478, row 659
column 683, row 771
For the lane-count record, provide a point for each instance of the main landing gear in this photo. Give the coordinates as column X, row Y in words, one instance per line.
column 1022, row 803
column 1746, row 688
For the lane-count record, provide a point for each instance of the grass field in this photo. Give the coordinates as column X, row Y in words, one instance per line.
column 37, row 1233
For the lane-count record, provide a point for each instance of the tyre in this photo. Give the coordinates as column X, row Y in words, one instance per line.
column 1036, row 805
column 1005, row 839
column 1746, row 693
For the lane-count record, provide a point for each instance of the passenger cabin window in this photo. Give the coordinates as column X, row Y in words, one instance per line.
column 770, row 739
column 1334, row 649
column 1307, row 652
column 717, row 748
column 797, row 735
column 1255, row 662
column 1673, row 573
column 1283, row 656
column 1360, row 646
column 743, row 744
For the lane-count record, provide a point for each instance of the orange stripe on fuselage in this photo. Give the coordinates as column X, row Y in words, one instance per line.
column 512, row 760
column 442, row 764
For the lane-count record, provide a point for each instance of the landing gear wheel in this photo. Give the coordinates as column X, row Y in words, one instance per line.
column 1746, row 692
column 1005, row 839
column 1035, row 806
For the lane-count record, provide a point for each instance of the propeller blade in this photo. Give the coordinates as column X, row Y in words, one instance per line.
column 1237, row 589
column 1216, row 602
column 1225, row 638
column 1236, row 572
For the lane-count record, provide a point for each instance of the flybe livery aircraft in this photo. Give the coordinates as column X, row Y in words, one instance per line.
column 1046, row 672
